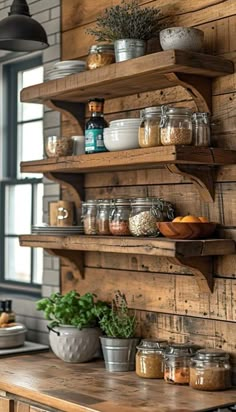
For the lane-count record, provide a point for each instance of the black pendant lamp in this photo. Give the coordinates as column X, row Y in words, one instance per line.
column 19, row 32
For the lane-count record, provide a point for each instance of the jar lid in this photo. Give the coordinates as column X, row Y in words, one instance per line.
column 179, row 111
column 89, row 202
column 181, row 349
column 153, row 344
column 205, row 116
column 206, row 354
column 101, row 47
column 143, row 201
column 151, row 110
column 121, row 201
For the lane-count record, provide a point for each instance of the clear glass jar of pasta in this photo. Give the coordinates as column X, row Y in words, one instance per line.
column 150, row 358
column 119, row 217
column 102, row 217
column 176, row 126
column 89, row 213
column 149, row 129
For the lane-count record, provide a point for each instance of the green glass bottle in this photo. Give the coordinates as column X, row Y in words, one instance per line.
column 94, row 127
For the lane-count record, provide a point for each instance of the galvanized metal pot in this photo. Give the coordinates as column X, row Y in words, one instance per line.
column 119, row 354
column 126, row 49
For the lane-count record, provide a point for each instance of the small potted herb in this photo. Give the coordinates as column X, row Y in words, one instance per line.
column 73, row 324
column 128, row 26
column 119, row 344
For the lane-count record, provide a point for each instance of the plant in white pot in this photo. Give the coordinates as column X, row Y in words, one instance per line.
column 128, row 26
column 73, row 328
column 119, row 344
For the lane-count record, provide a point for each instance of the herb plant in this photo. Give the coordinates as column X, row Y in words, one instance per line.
column 127, row 21
column 71, row 309
column 116, row 321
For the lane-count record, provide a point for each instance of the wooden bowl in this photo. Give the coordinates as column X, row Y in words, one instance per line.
column 186, row 230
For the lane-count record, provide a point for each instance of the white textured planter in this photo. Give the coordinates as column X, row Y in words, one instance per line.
column 73, row 345
column 126, row 49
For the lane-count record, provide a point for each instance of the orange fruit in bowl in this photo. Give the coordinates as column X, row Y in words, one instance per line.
column 190, row 219
column 203, row 219
column 177, row 219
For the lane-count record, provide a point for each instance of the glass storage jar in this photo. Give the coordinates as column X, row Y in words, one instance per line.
column 119, row 217
column 150, row 358
column 149, row 130
column 177, row 363
column 201, row 129
column 176, row 126
column 210, row 370
column 89, row 213
column 102, row 218
column 100, row 55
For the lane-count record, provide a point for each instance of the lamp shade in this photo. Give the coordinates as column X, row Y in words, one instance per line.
column 19, row 32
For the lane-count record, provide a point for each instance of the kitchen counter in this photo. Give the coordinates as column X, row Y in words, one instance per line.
column 88, row 387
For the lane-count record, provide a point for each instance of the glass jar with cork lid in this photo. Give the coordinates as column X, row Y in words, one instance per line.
column 176, row 126
column 150, row 358
column 149, row 129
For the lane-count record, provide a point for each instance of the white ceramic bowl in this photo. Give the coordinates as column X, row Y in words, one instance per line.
column 135, row 122
column 182, row 38
column 118, row 139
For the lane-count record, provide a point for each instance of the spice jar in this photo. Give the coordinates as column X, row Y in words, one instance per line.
column 150, row 358
column 89, row 213
column 210, row 370
column 146, row 212
column 100, row 55
column 177, row 363
column 176, row 126
column 102, row 218
column 119, row 217
column 149, row 129
column 201, row 129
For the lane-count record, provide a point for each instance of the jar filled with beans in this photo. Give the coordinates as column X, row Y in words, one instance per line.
column 149, row 129
column 176, row 126
column 102, row 218
column 119, row 217
column 177, row 363
column 150, row 358
column 89, row 213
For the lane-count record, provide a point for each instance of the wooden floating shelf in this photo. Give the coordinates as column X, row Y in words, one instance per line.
column 196, row 254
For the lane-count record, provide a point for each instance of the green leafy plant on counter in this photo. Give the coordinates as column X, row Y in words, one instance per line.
column 127, row 21
column 71, row 309
column 116, row 321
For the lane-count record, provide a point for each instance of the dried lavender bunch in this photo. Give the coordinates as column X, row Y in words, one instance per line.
column 127, row 21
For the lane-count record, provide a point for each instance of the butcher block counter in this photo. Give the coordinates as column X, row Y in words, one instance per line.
column 43, row 383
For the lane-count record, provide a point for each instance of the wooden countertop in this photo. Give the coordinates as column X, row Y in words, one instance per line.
column 89, row 387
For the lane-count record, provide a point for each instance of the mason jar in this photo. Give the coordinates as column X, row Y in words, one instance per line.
column 176, row 126
column 102, row 217
column 210, row 370
column 149, row 129
column 89, row 213
column 177, row 363
column 100, row 55
column 201, row 129
column 150, row 358
column 119, row 217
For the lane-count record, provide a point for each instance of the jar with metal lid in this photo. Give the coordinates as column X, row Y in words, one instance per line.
column 89, row 213
column 201, row 129
column 177, row 363
column 102, row 218
column 100, row 55
column 149, row 130
column 146, row 212
column 150, row 358
column 119, row 217
column 210, row 370
column 176, row 126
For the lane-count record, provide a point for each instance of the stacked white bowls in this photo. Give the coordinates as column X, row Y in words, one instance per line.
column 122, row 134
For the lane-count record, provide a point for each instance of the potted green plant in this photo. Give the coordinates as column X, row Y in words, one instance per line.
column 119, row 344
column 128, row 26
column 73, row 325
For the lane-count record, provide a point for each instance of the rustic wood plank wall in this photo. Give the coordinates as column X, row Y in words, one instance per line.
column 166, row 297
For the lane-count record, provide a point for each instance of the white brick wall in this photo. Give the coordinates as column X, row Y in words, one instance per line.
column 47, row 12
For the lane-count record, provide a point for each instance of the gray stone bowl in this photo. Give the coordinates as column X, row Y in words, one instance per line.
column 182, row 38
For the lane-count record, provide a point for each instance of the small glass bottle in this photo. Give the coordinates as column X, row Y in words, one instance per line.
column 210, row 370
column 177, row 362
column 100, row 55
column 149, row 129
column 89, row 213
column 201, row 129
column 94, row 127
column 150, row 358
column 176, row 126
column 119, row 217
column 102, row 218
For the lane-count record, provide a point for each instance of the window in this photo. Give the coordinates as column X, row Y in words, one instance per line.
column 21, row 194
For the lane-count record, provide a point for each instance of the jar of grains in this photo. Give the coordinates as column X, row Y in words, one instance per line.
column 100, row 55
column 102, row 218
column 150, row 358
column 177, row 363
column 210, row 370
column 176, row 126
column 149, row 129
column 201, row 129
column 119, row 217
column 146, row 212
column 89, row 213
